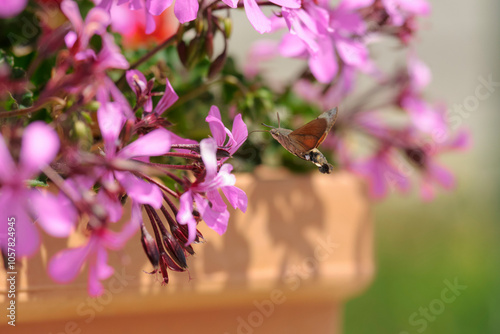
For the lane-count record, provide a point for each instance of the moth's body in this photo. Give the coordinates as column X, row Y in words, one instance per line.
column 303, row 142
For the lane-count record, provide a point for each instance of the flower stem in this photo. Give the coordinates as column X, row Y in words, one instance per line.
column 38, row 106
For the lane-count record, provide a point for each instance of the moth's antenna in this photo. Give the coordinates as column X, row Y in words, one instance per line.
column 257, row 131
column 269, row 126
column 279, row 123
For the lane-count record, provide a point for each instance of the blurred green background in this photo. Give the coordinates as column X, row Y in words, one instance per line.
column 420, row 245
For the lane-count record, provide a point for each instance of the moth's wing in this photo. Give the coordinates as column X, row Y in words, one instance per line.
column 310, row 135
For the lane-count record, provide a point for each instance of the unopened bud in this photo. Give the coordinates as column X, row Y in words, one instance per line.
column 150, row 247
column 228, row 26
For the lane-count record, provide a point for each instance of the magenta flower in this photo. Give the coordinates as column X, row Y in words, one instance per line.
column 205, row 194
column 67, row 264
column 11, row 8
column 236, row 137
column 155, row 143
column 425, row 117
column 40, row 145
column 318, row 33
column 401, row 10
column 95, row 24
column 259, row 21
column 142, row 88
column 432, row 172
column 382, row 172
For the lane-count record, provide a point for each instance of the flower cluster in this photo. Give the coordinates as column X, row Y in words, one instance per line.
column 77, row 144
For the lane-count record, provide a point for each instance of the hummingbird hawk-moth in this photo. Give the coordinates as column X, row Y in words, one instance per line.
column 304, row 141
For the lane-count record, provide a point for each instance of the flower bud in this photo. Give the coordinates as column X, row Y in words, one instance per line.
column 150, row 247
column 228, row 26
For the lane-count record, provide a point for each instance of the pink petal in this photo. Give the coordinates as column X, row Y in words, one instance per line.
column 185, row 214
column 150, row 23
column 140, row 190
column 258, row 20
column 240, row 133
column 136, row 79
column 236, row 197
column 216, row 200
column 156, row 7
column 186, row 10
column 39, row 147
column 355, row 4
column 303, row 26
column 420, row 74
column 231, row 3
column 287, row 3
column 324, row 65
column 441, row 176
column 462, row 141
column 70, row 39
column 96, row 21
column 66, row 265
column 155, row 143
column 208, row 148
column 113, row 206
column 352, row 52
column 11, row 8
column 216, row 126
column 133, row 225
column 103, row 270
column 420, row 7
column 217, row 221
column 110, row 119
column 55, row 215
column 13, row 209
column 167, row 100
column 292, row 46
column 72, row 12
column 110, row 55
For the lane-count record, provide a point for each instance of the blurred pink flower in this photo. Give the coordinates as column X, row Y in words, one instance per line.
column 155, row 143
column 67, row 264
column 425, row 117
column 319, row 33
column 400, row 10
column 40, row 145
column 261, row 22
column 433, row 173
column 11, row 8
column 382, row 172
column 205, row 194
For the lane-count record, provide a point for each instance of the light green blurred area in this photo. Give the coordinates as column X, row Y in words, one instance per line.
column 420, row 245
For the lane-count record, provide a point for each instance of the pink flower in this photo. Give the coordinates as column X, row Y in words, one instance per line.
column 426, row 118
column 67, row 264
column 205, row 194
column 40, row 145
column 95, row 24
column 382, row 172
column 236, row 137
column 155, row 143
column 11, row 8
column 318, row 33
column 137, row 81
column 432, row 173
column 401, row 10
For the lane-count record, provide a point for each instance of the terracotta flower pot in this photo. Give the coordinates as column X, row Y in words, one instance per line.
column 286, row 266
